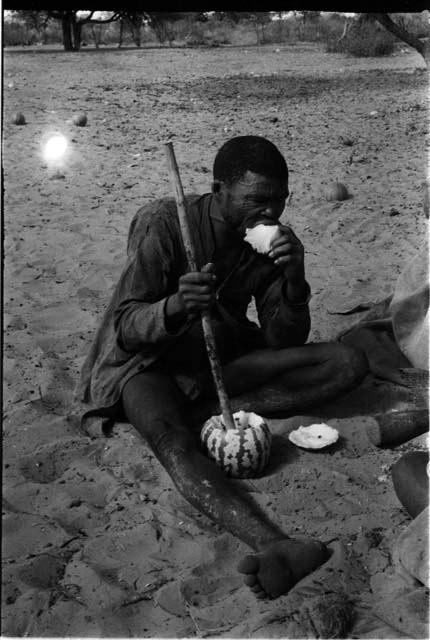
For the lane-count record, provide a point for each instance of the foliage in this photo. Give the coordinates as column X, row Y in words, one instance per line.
column 416, row 23
column 358, row 37
column 364, row 40
column 18, row 34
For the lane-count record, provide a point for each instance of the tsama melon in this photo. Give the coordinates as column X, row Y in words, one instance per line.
column 18, row 118
column 242, row 452
column 80, row 119
column 336, row 191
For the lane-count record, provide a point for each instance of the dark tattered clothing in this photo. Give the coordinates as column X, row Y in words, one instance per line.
column 132, row 336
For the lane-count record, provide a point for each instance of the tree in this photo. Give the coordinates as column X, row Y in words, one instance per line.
column 37, row 20
column 161, row 22
column 258, row 19
column 134, row 21
column 307, row 18
column 346, row 28
column 72, row 22
column 419, row 44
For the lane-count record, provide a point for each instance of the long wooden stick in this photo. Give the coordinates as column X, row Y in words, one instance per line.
column 206, row 319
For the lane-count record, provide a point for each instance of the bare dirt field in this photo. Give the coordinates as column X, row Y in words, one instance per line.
column 96, row 540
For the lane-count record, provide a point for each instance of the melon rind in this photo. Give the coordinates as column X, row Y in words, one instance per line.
column 241, row 452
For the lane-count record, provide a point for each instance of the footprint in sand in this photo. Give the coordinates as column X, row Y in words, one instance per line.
column 209, row 589
column 49, row 462
column 42, row 572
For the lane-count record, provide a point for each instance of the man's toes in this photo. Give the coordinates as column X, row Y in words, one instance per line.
column 249, row 564
column 250, row 579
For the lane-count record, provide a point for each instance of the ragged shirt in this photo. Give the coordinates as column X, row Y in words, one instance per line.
column 132, row 335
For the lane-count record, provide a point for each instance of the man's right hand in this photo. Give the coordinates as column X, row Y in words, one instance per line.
column 196, row 293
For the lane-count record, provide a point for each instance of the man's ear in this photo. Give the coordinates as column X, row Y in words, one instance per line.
column 216, row 186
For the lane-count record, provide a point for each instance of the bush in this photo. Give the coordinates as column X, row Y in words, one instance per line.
column 53, row 33
column 364, row 41
column 416, row 23
column 17, row 34
column 330, row 31
column 368, row 41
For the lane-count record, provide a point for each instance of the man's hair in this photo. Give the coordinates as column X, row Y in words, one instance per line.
column 249, row 153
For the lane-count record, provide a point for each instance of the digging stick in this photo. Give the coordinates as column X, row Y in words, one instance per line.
column 206, row 319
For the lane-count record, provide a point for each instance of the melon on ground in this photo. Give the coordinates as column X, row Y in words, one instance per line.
column 18, row 118
column 336, row 191
column 242, row 452
column 80, row 119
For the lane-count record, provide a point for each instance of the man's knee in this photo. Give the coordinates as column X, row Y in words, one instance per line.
column 171, row 441
column 350, row 363
column 155, row 407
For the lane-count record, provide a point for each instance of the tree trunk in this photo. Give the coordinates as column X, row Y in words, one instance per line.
column 95, row 37
column 66, row 26
column 121, row 33
column 346, row 28
column 135, row 30
column 426, row 53
column 257, row 31
column 77, row 33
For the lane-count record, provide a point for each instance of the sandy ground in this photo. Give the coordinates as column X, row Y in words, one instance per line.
column 96, row 540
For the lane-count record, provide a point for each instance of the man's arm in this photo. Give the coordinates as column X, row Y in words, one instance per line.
column 156, row 300
column 149, row 279
column 283, row 304
column 196, row 293
column 285, row 323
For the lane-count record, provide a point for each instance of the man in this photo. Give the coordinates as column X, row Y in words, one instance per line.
column 149, row 360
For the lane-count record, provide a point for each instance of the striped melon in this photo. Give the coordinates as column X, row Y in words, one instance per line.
column 242, row 452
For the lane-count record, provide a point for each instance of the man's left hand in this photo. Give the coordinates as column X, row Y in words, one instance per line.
column 288, row 251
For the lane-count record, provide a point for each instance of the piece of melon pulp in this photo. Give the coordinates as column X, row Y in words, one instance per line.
column 261, row 237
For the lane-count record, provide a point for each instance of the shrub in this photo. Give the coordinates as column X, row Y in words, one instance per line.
column 369, row 40
column 330, row 31
column 363, row 41
column 53, row 33
column 415, row 23
column 17, row 34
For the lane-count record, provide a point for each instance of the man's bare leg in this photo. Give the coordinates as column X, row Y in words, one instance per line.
column 287, row 381
column 155, row 407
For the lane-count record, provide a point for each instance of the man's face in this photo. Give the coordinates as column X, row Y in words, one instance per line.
column 251, row 199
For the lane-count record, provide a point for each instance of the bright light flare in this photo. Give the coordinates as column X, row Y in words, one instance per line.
column 55, row 148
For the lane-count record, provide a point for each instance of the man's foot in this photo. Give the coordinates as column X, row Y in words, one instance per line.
column 276, row 568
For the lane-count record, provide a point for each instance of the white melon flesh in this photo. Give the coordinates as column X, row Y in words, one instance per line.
column 261, row 237
column 315, row 436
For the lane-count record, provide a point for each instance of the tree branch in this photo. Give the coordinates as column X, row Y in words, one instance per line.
column 113, row 18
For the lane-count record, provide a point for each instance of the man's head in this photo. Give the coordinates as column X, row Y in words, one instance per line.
column 250, row 182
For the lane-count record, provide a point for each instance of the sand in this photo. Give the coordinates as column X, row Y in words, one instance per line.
column 96, row 540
